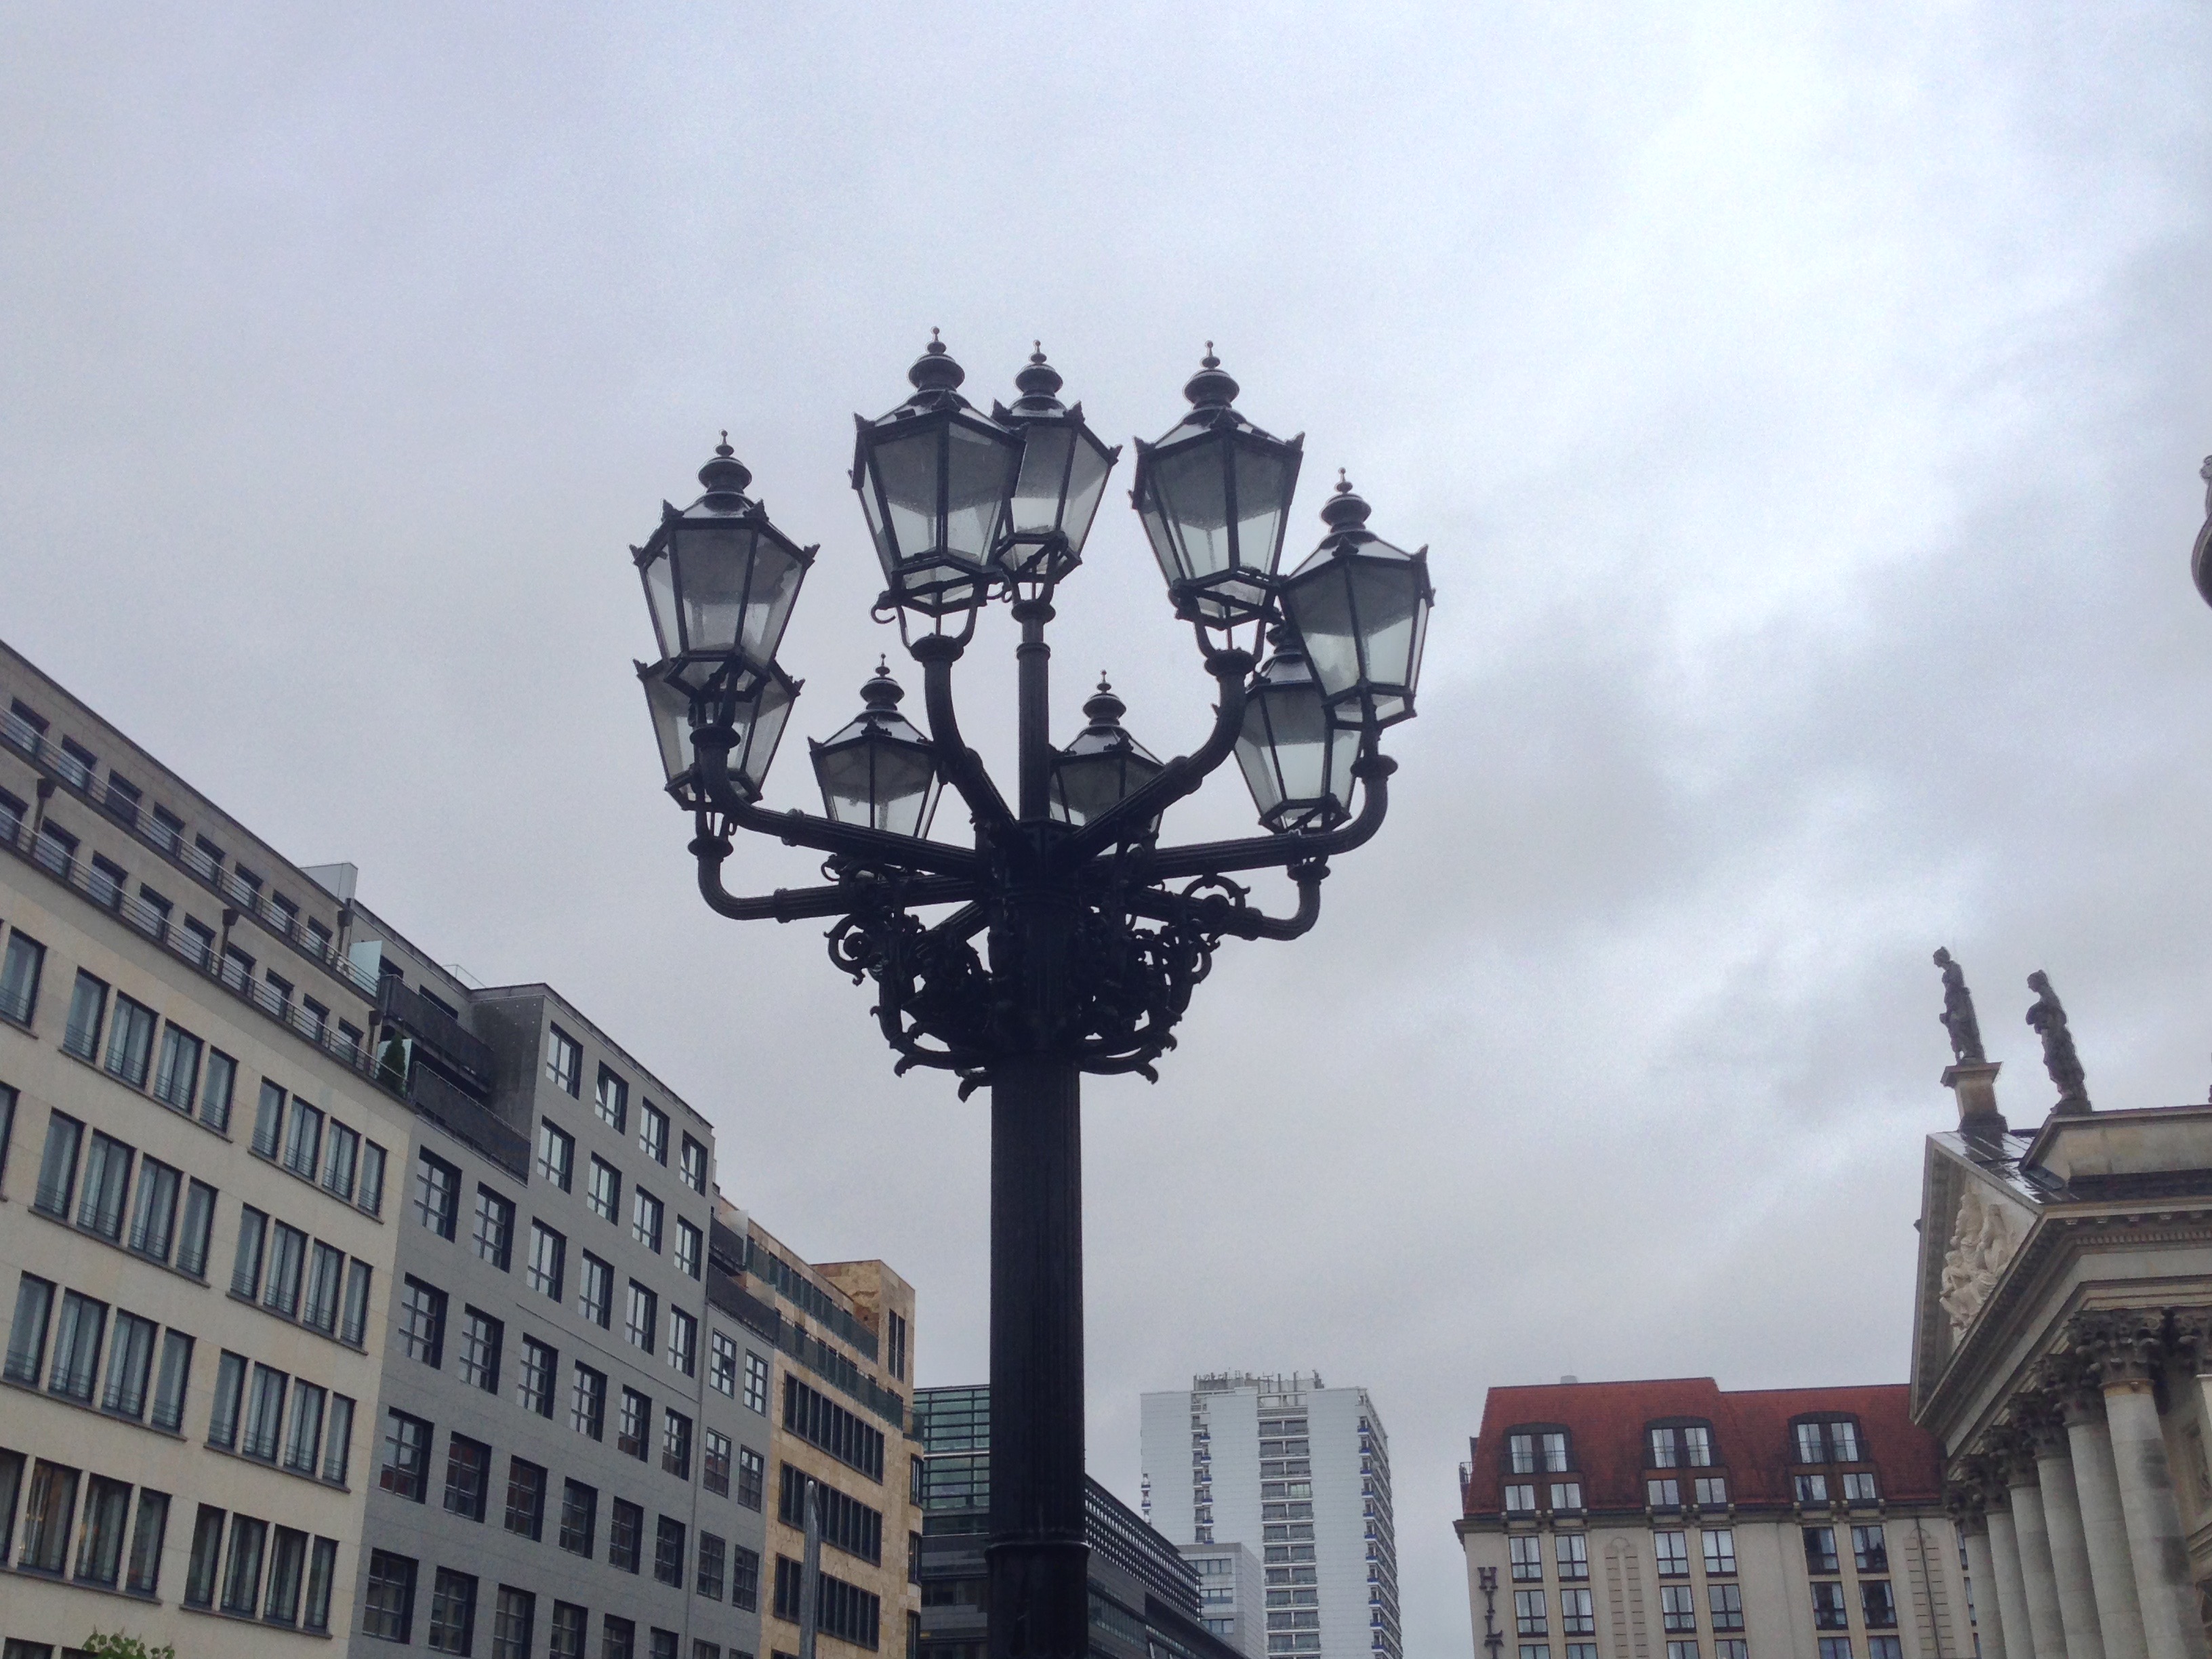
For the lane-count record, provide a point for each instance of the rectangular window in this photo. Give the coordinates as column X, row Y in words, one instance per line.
column 683, row 1342
column 353, row 1325
column 229, row 1400
column 668, row 1552
column 372, row 1178
column 1820, row 1550
column 1674, row 1552
column 337, row 1441
column 570, row 1624
column 1809, row 1447
column 264, row 1414
column 548, row 1252
column 693, row 1166
column 1662, row 1448
column 841, row 1610
column 1575, row 1617
column 1829, row 1610
column 206, row 1557
column 641, row 1317
column 1835, row 1647
column 595, row 1292
column 106, row 883
column 691, row 1250
column 564, row 1060
column 482, row 1337
column 533, row 1387
column 1573, row 1549
column 106, row 1187
column 1685, row 1649
column 406, row 1471
column 388, row 1604
column 525, row 1499
column 303, row 1439
column 512, row 1616
column 146, row 1534
column 1678, row 1608
column 47, row 1511
column 199, row 943
column 57, row 1164
column 1878, row 1647
column 153, row 913
column 129, row 1366
column 288, row 1566
column 241, row 1578
column 604, row 1191
column 193, row 1238
column 722, row 1364
column 175, row 1376
column 712, row 1553
column 824, row 1423
column 557, row 1154
column 756, row 1382
column 580, row 1511
column 752, row 1477
column 217, row 1082
column 625, row 1535
column 1870, row 1549
column 88, row 1009
column 494, row 1228
column 618, row 1638
column 341, row 1153
column 613, row 1102
column 1878, row 1604
column 744, row 1577
column 1726, row 1603
column 1664, row 1494
column 468, row 1476
column 288, row 1256
column 325, row 1280
column 437, row 1194
column 27, row 1335
column 100, row 1534
column 177, row 1076
column 1524, row 1552
column 1858, row 1487
column 423, row 1322
column 1565, row 1494
column 303, row 1142
column 19, row 977
column 847, row 1525
column 1712, row 1492
column 587, row 1402
column 715, row 1474
column 1720, row 1550
column 77, row 1335
column 1844, row 1441
column 676, row 1444
column 322, row 1571
column 153, row 1216
column 55, row 851
column 634, row 1425
column 1697, row 1446
column 268, row 1120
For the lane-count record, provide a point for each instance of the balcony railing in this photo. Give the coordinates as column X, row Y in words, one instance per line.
column 400, row 1004
column 471, row 1121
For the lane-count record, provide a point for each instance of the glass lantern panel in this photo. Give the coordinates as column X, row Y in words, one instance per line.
column 714, row 565
column 1194, row 496
column 777, row 572
column 1045, row 449
column 671, row 724
column 900, row 788
column 979, row 474
column 1086, row 484
column 1386, row 598
column 1265, row 481
column 1087, row 787
column 1157, row 532
column 1320, row 603
column 1343, row 750
column 660, row 598
column 905, row 468
column 758, row 735
column 1284, row 747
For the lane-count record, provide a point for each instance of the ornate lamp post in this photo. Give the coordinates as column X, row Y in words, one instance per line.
column 1093, row 935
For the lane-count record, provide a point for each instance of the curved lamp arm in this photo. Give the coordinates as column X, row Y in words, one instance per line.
column 1246, row 922
column 797, row 828
column 937, row 653
column 1301, row 847
column 1181, row 776
column 795, row 903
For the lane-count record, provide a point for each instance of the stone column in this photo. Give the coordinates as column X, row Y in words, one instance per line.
column 1981, row 1572
column 2039, row 1576
column 2097, row 1485
column 2128, row 1351
column 2070, row 1545
column 2018, row 1639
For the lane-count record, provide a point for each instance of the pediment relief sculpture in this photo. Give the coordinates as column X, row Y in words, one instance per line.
column 1984, row 1236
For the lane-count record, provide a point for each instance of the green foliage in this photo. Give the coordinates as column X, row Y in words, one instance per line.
column 116, row 1645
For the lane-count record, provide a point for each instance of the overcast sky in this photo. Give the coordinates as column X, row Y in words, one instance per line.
column 1802, row 406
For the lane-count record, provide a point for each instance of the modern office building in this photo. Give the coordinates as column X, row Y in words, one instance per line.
column 1144, row 1597
column 1231, row 1599
column 201, row 1186
column 2063, row 1357
column 496, row 1369
column 1626, row 1519
column 1302, row 1473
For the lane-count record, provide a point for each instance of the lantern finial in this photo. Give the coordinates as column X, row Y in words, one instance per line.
column 725, row 477
column 934, row 370
column 1103, row 708
column 1039, row 384
column 1212, row 386
column 882, row 693
column 1343, row 510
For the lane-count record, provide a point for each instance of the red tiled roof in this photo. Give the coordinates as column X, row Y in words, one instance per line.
column 1751, row 1437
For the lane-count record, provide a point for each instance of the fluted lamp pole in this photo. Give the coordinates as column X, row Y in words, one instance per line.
column 1063, row 939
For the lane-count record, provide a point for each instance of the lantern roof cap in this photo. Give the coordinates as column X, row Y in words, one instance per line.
column 935, row 369
column 882, row 694
column 1104, row 708
column 1343, row 510
column 1212, row 387
column 725, row 478
column 1106, row 734
column 1039, row 383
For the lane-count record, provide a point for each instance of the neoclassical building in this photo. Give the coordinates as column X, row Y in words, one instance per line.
column 2062, row 1341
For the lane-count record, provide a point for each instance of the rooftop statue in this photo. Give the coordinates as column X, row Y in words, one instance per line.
column 2048, row 1017
column 1958, row 1016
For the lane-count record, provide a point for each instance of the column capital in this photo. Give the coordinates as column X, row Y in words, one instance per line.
column 2124, row 1348
column 1966, row 1504
column 2190, row 1337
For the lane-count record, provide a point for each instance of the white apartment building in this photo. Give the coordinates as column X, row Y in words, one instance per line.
column 1300, row 1472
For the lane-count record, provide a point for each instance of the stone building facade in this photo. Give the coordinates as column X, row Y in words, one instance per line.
column 1636, row 1520
column 2062, row 1356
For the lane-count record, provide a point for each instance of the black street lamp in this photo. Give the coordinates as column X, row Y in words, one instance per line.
column 1093, row 935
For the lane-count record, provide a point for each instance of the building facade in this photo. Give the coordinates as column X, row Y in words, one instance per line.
column 1144, row 1596
column 200, row 1194
column 349, row 1299
column 1231, row 1595
column 2062, row 1356
column 1623, row 1519
column 1302, row 1474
